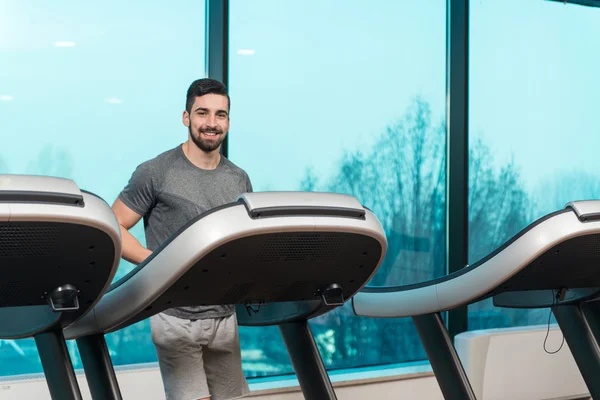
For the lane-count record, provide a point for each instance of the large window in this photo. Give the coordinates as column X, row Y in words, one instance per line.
column 346, row 97
column 533, row 123
column 335, row 96
column 88, row 91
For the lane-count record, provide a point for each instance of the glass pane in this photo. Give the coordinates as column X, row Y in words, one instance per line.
column 534, row 93
column 88, row 91
column 347, row 97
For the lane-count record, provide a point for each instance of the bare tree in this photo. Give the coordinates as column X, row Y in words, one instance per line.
column 402, row 179
column 499, row 207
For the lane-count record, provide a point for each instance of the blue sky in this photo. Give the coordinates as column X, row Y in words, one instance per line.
column 534, row 88
column 111, row 100
column 326, row 78
column 319, row 79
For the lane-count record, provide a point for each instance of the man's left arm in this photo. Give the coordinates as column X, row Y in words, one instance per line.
column 248, row 184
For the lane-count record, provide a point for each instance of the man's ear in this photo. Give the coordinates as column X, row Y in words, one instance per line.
column 185, row 118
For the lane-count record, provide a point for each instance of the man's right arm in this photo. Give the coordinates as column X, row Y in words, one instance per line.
column 133, row 251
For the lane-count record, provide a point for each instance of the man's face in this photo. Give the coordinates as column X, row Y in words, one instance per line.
column 208, row 121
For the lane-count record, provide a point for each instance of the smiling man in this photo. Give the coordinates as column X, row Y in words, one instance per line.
column 198, row 347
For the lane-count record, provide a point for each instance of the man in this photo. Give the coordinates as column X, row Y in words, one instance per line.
column 198, row 347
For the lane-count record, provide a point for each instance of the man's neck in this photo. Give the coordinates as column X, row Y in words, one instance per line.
column 200, row 158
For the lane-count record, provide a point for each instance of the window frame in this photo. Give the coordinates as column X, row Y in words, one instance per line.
column 457, row 138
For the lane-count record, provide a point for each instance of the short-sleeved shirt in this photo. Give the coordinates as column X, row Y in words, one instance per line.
column 169, row 191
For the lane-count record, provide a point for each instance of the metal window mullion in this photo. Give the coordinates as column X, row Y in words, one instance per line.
column 457, row 149
column 217, row 46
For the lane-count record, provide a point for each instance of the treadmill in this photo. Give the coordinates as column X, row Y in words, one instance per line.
column 59, row 251
column 554, row 262
column 281, row 257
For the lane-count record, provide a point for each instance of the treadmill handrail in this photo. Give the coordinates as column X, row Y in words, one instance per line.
column 466, row 269
column 257, row 198
column 95, row 214
column 171, row 263
column 474, row 284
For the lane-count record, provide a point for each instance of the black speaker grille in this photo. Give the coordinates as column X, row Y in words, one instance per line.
column 232, row 274
column 591, row 247
column 18, row 240
column 237, row 292
column 579, row 256
column 301, row 248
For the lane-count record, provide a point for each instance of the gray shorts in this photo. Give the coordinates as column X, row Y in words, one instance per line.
column 200, row 358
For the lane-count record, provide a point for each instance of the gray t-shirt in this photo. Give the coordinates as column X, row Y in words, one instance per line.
column 169, row 191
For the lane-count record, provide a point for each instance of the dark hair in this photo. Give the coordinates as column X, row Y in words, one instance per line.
column 203, row 86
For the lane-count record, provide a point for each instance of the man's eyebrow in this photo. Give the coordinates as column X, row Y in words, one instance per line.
column 206, row 110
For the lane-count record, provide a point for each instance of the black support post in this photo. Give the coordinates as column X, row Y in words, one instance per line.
column 591, row 313
column 98, row 368
column 58, row 369
column 583, row 345
column 444, row 360
column 307, row 361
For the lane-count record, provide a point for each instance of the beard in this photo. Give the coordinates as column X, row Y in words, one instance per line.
column 207, row 145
